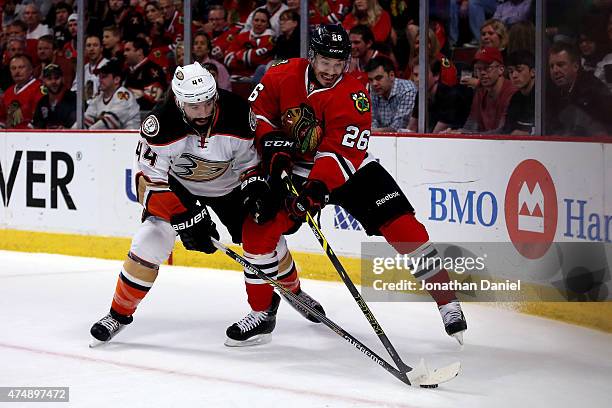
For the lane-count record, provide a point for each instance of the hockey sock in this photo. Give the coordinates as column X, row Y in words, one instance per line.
column 287, row 271
column 135, row 280
column 259, row 292
column 408, row 236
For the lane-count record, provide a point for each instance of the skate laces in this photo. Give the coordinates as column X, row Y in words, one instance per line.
column 251, row 321
column 451, row 312
column 110, row 323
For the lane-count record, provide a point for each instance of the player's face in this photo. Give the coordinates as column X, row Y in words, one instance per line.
column 489, row 37
column 93, row 48
column 327, row 70
column 381, row 82
column 21, row 70
column 199, row 113
column 563, row 70
column 358, row 46
column 53, row 83
column 521, row 75
column 200, row 47
column 260, row 23
column 44, row 50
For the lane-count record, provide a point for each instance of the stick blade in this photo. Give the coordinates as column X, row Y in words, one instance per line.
column 441, row 375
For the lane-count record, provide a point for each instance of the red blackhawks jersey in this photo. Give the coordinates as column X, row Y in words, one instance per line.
column 344, row 111
column 18, row 104
column 248, row 51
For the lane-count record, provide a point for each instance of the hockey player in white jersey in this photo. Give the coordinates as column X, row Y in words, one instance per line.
column 196, row 151
column 114, row 107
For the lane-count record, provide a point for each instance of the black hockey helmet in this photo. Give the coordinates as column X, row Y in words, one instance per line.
column 331, row 41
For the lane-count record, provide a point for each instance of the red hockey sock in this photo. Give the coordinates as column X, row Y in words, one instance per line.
column 408, row 236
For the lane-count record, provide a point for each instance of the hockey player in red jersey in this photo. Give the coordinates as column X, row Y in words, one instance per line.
column 195, row 152
column 315, row 121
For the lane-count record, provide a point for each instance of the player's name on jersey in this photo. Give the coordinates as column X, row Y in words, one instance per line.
column 482, row 285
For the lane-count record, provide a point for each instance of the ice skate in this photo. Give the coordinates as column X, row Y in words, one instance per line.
column 255, row 328
column 108, row 327
column 304, row 297
column 454, row 320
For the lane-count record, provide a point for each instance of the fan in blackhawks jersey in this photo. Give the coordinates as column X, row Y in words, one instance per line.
column 314, row 121
column 207, row 159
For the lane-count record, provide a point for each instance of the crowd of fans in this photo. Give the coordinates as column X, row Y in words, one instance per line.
column 481, row 59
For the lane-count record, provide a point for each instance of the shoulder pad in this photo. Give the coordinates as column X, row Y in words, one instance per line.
column 164, row 125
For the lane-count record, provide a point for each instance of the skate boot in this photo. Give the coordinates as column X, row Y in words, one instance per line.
column 255, row 328
column 304, row 297
column 107, row 327
column 454, row 320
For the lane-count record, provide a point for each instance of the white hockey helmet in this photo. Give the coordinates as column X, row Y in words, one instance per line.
column 192, row 84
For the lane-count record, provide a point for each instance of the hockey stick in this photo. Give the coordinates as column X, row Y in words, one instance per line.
column 349, row 283
column 418, row 375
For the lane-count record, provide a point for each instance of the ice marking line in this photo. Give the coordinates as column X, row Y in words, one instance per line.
column 159, row 370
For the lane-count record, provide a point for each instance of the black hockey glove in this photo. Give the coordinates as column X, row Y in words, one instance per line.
column 311, row 199
column 277, row 153
column 258, row 199
column 196, row 229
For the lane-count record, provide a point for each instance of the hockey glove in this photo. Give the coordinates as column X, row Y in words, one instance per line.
column 258, row 198
column 311, row 199
column 277, row 153
column 196, row 229
column 302, row 124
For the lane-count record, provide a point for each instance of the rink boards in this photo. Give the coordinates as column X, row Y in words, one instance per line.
column 78, row 187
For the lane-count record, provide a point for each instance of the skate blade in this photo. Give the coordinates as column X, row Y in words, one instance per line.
column 458, row 336
column 253, row 341
column 93, row 343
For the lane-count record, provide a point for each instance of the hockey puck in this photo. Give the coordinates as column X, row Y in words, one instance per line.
column 429, row 386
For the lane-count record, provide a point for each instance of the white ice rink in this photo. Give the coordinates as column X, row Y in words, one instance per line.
column 173, row 354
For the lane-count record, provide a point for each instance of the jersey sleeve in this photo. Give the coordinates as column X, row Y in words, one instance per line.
column 265, row 103
column 151, row 167
column 348, row 119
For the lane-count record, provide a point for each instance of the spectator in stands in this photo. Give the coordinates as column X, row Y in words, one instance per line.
column 145, row 79
column 511, row 12
column 392, row 98
column 274, row 8
column 448, row 73
column 490, row 104
column 70, row 47
column 521, row 37
column 93, row 52
column 448, row 106
column 14, row 46
column 57, row 109
column 201, row 54
column 11, row 10
column 173, row 19
column 154, row 24
column 31, row 16
column 476, row 11
column 115, row 106
column 362, row 41
column 590, row 52
column 370, row 13
column 18, row 29
column 288, row 42
column 603, row 71
column 251, row 48
column 212, row 68
column 222, row 33
column 493, row 33
column 61, row 34
column 578, row 104
column 18, row 103
column 111, row 41
column 521, row 110
column 47, row 54
column 323, row 11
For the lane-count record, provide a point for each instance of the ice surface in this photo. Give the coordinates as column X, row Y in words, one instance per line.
column 173, row 354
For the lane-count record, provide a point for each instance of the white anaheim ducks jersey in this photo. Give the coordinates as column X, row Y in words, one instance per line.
column 208, row 165
column 121, row 111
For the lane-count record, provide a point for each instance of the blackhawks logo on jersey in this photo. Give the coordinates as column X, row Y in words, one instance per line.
column 362, row 103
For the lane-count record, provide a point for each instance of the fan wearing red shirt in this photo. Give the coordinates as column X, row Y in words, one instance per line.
column 18, row 103
column 370, row 13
